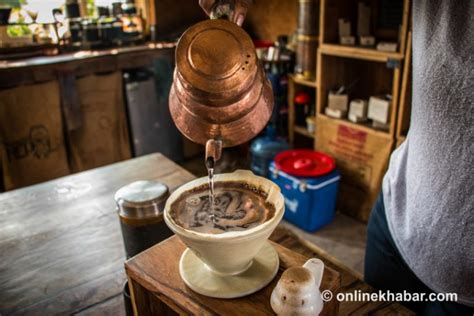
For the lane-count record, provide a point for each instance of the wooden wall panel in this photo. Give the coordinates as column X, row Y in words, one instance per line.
column 266, row 19
column 269, row 18
column 175, row 16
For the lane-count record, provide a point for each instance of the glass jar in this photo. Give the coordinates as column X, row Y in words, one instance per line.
column 140, row 207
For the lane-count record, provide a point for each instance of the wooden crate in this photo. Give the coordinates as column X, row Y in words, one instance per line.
column 362, row 156
column 362, row 153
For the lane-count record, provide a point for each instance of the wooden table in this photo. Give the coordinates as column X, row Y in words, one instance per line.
column 62, row 251
column 157, row 286
column 60, row 241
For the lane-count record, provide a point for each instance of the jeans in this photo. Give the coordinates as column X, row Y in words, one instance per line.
column 386, row 270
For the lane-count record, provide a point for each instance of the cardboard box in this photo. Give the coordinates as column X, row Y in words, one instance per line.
column 344, row 27
column 367, row 40
column 356, row 119
column 335, row 113
column 358, row 111
column 362, row 157
column 363, row 19
column 387, row 47
column 379, row 109
column 338, row 101
column 347, row 40
column 358, row 107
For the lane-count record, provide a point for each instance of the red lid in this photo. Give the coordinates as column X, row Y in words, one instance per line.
column 302, row 98
column 304, row 163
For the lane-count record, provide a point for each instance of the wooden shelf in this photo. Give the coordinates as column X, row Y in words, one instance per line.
column 304, row 82
column 366, row 79
column 358, row 53
column 294, row 85
column 362, row 152
column 367, row 127
column 303, row 131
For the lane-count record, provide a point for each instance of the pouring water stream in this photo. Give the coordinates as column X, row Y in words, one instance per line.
column 210, row 173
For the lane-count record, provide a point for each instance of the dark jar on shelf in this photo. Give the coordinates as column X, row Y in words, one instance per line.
column 72, row 9
column 75, row 28
column 90, row 31
column 140, row 207
column 110, row 30
column 302, row 108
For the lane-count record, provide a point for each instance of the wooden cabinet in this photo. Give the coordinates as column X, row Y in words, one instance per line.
column 362, row 152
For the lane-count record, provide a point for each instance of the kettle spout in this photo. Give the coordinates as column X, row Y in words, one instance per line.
column 213, row 152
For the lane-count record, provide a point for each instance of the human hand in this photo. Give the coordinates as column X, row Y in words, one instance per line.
column 235, row 10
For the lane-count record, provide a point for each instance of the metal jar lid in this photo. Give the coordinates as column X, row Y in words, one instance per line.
column 142, row 199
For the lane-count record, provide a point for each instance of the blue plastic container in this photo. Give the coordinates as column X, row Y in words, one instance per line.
column 310, row 203
column 264, row 149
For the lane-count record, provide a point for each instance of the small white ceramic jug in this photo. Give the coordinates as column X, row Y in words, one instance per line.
column 297, row 291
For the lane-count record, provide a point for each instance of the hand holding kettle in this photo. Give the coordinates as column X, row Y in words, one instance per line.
column 234, row 10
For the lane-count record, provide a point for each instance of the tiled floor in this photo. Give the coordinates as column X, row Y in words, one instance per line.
column 344, row 238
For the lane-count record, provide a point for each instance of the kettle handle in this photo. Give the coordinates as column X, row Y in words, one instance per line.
column 316, row 267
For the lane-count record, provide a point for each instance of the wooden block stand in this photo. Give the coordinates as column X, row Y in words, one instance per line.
column 157, row 288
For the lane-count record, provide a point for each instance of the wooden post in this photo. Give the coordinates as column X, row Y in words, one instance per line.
column 403, row 115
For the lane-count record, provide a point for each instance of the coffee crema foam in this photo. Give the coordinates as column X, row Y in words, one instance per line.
column 238, row 206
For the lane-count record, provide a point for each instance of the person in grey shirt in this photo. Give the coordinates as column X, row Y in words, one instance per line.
column 421, row 230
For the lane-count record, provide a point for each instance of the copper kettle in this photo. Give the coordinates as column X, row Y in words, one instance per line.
column 220, row 90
